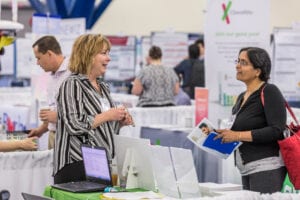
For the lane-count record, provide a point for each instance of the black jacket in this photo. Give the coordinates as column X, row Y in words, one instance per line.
column 266, row 122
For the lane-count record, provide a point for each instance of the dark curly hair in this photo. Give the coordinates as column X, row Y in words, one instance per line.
column 260, row 59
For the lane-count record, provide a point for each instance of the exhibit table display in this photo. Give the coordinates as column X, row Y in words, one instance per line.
column 26, row 171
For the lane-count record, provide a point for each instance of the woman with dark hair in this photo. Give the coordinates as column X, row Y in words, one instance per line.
column 156, row 84
column 258, row 125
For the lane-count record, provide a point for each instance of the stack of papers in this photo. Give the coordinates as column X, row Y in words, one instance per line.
column 131, row 195
column 213, row 189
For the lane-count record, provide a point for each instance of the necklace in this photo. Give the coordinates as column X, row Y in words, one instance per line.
column 249, row 92
column 255, row 88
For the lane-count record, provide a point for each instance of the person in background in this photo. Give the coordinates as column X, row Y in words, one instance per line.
column 27, row 144
column 86, row 111
column 156, row 85
column 191, row 71
column 49, row 57
column 200, row 43
column 182, row 98
column 258, row 126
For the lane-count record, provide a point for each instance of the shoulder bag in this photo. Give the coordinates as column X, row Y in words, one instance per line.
column 290, row 147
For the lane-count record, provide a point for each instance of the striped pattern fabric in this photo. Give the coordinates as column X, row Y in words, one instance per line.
column 77, row 104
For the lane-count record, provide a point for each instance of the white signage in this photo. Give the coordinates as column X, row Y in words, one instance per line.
column 229, row 26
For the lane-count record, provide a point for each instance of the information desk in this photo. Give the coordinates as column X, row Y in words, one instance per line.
column 224, row 195
column 207, row 166
column 64, row 195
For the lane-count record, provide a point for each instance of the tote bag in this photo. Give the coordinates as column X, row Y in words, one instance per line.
column 290, row 151
column 290, row 147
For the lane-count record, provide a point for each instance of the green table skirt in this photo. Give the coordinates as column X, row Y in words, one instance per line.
column 64, row 195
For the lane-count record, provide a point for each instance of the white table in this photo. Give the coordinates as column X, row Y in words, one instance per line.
column 127, row 100
column 27, row 172
column 176, row 116
column 181, row 118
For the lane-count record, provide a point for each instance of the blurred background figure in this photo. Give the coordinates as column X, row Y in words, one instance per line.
column 191, row 71
column 49, row 57
column 200, row 43
column 156, row 85
column 182, row 98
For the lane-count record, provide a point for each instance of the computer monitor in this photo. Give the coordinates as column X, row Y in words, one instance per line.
column 138, row 149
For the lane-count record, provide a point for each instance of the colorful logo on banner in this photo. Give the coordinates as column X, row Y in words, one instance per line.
column 225, row 14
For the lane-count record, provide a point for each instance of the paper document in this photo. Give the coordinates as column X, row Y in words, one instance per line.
column 203, row 136
column 132, row 195
column 212, row 187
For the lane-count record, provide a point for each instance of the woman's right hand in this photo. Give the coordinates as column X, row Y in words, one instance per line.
column 113, row 114
column 117, row 114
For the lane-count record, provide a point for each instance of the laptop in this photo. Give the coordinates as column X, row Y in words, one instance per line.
column 27, row 196
column 97, row 172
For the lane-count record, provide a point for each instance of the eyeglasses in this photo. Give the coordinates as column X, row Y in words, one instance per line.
column 241, row 62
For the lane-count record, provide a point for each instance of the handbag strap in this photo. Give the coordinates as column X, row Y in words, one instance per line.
column 262, row 97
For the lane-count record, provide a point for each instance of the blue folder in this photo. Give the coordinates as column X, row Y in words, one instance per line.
column 225, row 148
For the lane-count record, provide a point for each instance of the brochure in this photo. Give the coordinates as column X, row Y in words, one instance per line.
column 203, row 137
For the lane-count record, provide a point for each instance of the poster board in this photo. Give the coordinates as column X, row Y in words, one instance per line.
column 122, row 54
column 174, row 46
column 286, row 60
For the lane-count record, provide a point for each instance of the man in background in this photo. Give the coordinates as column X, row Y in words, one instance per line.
column 200, row 43
column 191, row 71
column 49, row 57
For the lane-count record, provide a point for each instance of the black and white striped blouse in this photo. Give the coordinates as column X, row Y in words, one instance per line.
column 77, row 104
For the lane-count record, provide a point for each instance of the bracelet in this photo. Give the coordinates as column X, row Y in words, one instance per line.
column 239, row 138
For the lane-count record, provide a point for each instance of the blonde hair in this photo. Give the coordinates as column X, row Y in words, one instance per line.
column 84, row 49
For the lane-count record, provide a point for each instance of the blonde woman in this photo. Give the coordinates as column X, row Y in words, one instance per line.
column 86, row 112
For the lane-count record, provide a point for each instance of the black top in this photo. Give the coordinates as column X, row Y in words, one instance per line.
column 266, row 122
column 193, row 74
